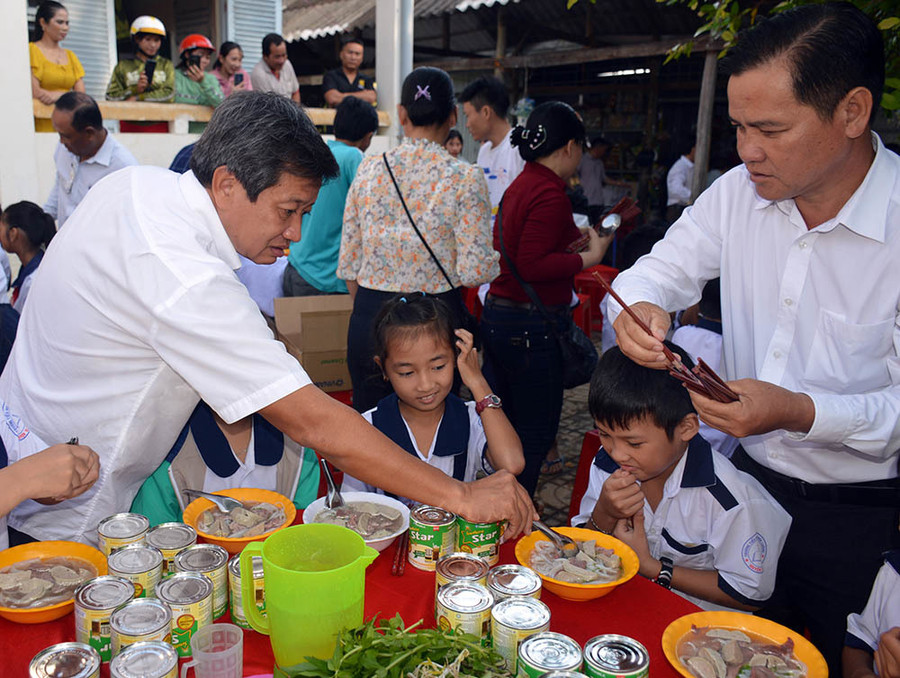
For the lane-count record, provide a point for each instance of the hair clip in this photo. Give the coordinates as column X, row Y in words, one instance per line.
column 422, row 92
column 539, row 137
column 403, row 299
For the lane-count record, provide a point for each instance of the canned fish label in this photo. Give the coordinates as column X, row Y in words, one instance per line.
column 465, row 607
column 121, row 530
column 140, row 564
column 189, row 595
column 512, row 621
column 547, row 651
column 480, row 539
column 510, row 581
column 432, row 535
column 140, row 619
column 147, row 659
column 563, row 674
column 234, row 585
column 211, row 560
column 170, row 538
column 94, row 602
column 614, row 656
column 65, row 660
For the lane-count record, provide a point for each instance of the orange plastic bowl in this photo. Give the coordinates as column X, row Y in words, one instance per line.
column 48, row 549
column 231, row 544
column 579, row 592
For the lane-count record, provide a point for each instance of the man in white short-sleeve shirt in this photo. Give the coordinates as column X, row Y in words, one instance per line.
column 806, row 238
column 138, row 314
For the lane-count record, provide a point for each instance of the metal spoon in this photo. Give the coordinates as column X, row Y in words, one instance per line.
column 565, row 544
column 226, row 504
column 333, row 498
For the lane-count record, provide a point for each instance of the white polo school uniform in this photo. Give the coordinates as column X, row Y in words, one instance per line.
column 882, row 612
column 711, row 517
column 137, row 315
column 460, row 432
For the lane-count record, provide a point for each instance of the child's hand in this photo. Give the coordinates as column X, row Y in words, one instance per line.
column 467, row 360
column 621, row 496
column 632, row 532
column 887, row 656
column 60, row 472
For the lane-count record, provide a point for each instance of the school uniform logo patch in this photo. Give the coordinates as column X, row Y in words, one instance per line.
column 753, row 553
column 15, row 424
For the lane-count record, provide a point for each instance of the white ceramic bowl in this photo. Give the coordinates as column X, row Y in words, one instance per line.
column 311, row 511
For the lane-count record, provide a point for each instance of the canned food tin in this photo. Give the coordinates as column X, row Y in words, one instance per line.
column 563, row 674
column 170, row 538
column 211, row 560
column 432, row 535
column 140, row 564
column 459, row 567
column 512, row 621
column 548, row 651
column 614, row 656
column 121, row 530
column 465, row 607
column 189, row 595
column 480, row 539
column 512, row 581
column 139, row 619
column 66, row 660
column 148, row 659
column 234, row 586
column 94, row 602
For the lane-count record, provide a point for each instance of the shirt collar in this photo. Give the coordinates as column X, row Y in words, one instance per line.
column 540, row 170
column 893, row 559
column 452, row 436
column 268, row 442
column 104, row 154
column 198, row 200
column 696, row 467
column 865, row 213
column 28, row 269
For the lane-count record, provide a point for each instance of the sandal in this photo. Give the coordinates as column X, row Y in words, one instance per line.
column 552, row 467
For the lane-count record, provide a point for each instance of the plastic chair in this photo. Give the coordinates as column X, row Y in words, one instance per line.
column 585, row 283
column 589, row 447
column 581, row 314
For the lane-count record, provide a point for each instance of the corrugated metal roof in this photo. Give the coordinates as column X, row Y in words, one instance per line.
column 308, row 19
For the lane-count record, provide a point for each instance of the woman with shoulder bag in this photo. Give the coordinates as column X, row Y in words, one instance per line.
column 416, row 220
column 528, row 308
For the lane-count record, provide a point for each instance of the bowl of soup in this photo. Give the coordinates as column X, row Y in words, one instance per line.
column 38, row 580
column 378, row 519
column 264, row 512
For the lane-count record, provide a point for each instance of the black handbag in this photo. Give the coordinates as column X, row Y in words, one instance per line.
column 466, row 319
column 579, row 356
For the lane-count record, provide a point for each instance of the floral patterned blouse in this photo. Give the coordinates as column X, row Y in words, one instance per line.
column 449, row 201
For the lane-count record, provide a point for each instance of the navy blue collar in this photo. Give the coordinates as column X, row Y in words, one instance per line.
column 893, row 558
column 268, row 442
column 28, row 269
column 711, row 325
column 698, row 467
column 452, row 435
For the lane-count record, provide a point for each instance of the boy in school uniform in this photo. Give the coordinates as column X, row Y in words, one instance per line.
column 698, row 525
column 872, row 643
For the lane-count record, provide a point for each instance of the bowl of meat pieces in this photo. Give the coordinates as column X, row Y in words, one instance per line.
column 378, row 519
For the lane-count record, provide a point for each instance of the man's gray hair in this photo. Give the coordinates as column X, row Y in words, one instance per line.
column 259, row 136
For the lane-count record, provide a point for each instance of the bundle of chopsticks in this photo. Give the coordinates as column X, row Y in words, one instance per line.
column 702, row 379
column 399, row 564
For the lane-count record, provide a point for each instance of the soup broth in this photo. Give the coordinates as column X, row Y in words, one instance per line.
column 710, row 652
column 40, row 582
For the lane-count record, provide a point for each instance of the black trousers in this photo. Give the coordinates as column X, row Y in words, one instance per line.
column 832, row 554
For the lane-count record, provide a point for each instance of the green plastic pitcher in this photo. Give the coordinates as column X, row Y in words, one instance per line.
column 314, row 584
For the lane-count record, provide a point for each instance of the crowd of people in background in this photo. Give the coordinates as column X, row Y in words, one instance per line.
column 791, row 255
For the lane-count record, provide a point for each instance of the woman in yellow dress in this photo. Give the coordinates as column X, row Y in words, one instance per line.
column 54, row 69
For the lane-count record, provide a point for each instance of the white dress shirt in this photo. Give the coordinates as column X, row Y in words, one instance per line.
column 137, row 314
column 74, row 177
column 501, row 165
column 678, row 181
column 882, row 612
column 814, row 311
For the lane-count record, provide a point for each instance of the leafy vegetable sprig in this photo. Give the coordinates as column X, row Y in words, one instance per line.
column 387, row 648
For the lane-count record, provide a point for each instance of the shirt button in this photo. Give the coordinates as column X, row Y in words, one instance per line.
column 777, row 355
column 788, row 302
column 803, row 245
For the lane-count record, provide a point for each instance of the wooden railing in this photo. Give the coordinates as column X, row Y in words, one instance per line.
column 179, row 115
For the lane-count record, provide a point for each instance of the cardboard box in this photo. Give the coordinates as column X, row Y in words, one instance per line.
column 314, row 331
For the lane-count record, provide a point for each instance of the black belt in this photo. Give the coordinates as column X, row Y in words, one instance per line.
column 884, row 493
column 525, row 305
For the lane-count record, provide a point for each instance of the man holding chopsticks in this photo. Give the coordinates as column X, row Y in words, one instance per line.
column 806, row 238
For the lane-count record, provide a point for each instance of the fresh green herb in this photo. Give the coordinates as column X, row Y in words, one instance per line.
column 387, row 648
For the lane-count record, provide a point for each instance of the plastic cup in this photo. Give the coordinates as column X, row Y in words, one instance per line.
column 218, row 652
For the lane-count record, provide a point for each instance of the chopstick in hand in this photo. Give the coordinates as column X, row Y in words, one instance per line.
column 399, row 565
column 702, row 379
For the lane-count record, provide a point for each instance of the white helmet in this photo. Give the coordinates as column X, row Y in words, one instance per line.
column 148, row 24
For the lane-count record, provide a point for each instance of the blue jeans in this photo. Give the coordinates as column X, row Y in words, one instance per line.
column 522, row 363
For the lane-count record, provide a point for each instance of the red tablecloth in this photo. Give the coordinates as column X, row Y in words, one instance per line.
column 639, row 609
